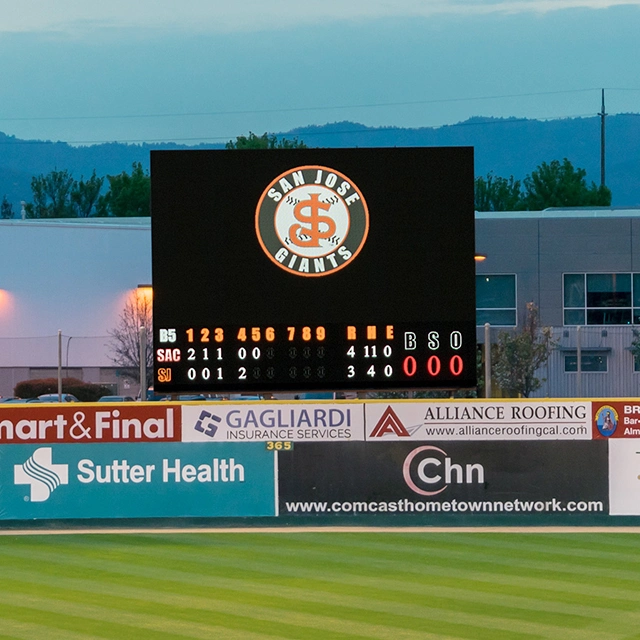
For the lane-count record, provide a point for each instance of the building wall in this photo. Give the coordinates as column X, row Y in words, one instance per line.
column 72, row 276
column 539, row 248
column 612, row 342
column 75, row 276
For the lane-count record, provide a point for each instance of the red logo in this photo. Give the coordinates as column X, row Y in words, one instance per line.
column 389, row 423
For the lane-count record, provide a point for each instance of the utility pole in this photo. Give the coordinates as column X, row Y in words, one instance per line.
column 602, row 115
column 143, row 363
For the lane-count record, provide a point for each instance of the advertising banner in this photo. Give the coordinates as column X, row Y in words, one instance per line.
column 479, row 420
column 262, row 421
column 136, row 480
column 624, row 477
column 616, row 419
column 426, row 480
column 90, row 423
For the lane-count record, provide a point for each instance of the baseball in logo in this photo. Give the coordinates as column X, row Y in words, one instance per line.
column 312, row 221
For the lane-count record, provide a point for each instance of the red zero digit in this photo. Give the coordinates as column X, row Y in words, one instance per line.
column 456, row 365
column 409, row 366
column 433, row 365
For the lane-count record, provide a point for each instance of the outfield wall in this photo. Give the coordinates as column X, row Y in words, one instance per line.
column 476, row 462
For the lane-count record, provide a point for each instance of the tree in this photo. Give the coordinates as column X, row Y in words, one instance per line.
column 52, row 196
column 125, row 338
column 128, row 195
column 84, row 195
column 518, row 356
column 6, row 209
column 560, row 185
column 494, row 193
column 635, row 345
column 265, row 141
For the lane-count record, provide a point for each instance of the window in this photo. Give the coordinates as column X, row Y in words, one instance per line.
column 496, row 300
column 601, row 298
column 589, row 361
column 636, row 364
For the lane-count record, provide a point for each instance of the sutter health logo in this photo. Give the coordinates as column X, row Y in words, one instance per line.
column 312, row 221
column 40, row 472
column 429, row 470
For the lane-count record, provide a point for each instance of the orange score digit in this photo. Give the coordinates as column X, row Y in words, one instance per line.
column 256, row 334
column 204, row 335
column 307, row 333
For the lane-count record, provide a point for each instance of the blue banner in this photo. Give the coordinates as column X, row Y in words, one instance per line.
column 137, row 481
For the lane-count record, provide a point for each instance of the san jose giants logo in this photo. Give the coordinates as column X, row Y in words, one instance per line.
column 312, row 221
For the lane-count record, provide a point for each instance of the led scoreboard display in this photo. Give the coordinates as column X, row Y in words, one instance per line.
column 313, row 269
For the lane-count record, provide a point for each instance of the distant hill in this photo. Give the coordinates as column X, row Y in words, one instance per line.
column 506, row 146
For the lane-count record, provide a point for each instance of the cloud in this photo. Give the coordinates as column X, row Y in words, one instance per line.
column 84, row 16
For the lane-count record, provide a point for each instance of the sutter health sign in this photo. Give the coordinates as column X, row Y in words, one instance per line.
column 136, row 481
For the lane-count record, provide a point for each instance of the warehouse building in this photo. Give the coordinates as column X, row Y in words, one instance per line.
column 581, row 268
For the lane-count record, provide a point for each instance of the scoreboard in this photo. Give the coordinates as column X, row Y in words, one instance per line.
column 313, row 269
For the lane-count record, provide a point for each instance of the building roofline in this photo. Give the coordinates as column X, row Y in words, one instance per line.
column 561, row 212
column 142, row 223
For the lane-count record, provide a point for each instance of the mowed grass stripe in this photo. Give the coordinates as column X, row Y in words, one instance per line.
column 290, row 562
column 30, row 631
column 309, row 600
column 307, row 565
column 172, row 555
column 105, row 623
column 476, row 605
column 500, row 559
column 614, row 550
column 354, row 609
column 256, row 607
column 373, row 563
column 580, row 623
column 290, row 624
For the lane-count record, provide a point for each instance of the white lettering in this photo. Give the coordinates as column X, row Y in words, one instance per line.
column 352, row 198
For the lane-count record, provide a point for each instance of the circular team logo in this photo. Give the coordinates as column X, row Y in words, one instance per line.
column 312, row 221
column 606, row 420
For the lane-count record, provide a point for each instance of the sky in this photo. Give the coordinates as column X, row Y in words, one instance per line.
column 207, row 71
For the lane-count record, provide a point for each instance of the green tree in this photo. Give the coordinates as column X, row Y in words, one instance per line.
column 635, row 345
column 129, row 195
column 494, row 193
column 6, row 209
column 559, row 184
column 517, row 356
column 265, row 141
column 52, row 196
column 84, row 195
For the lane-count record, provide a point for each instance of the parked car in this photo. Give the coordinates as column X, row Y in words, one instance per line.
column 18, row 400
column 116, row 399
column 54, row 397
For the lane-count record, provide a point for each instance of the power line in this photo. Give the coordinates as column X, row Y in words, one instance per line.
column 307, row 134
column 296, row 109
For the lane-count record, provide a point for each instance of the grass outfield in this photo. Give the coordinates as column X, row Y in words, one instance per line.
column 396, row 586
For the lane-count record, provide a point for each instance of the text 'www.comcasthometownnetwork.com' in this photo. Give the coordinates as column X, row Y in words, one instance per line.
column 451, row 506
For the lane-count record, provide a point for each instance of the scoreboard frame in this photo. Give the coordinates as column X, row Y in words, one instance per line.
column 313, row 269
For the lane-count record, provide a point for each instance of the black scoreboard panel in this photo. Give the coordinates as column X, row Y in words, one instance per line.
column 313, row 269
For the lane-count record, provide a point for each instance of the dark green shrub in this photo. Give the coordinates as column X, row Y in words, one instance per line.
column 84, row 391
